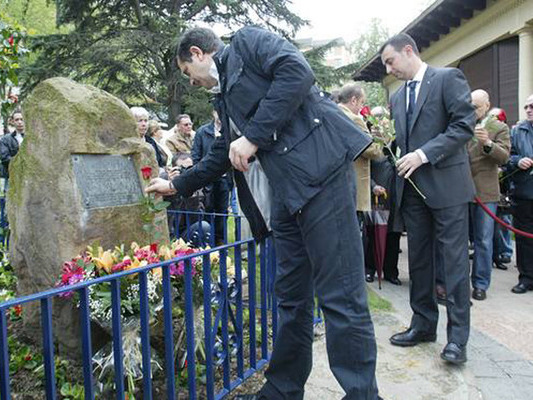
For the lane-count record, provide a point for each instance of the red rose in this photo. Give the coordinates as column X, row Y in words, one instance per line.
column 153, row 248
column 18, row 310
column 11, row 40
column 146, row 172
column 365, row 111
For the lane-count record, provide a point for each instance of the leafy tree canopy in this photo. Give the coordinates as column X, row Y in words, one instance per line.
column 127, row 47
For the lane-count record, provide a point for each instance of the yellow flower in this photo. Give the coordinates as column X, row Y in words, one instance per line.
column 135, row 263
column 166, row 253
column 214, row 258
column 105, row 261
column 158, row 273
column 134, row 246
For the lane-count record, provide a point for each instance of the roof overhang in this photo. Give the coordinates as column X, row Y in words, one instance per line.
column 437, row 20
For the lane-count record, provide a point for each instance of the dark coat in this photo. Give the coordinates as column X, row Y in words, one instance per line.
column 267, row 90
column 9, row 147
column 521, row 146
column 441, row 125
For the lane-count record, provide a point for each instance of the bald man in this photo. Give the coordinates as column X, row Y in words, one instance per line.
column 489, row 148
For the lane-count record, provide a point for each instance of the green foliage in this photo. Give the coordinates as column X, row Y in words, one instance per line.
column 363, row 49
column 11, row 52
column 326, row 76
column 128, row 47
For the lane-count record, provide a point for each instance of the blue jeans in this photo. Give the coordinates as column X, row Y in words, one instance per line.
column 483, row 230
column 503, row 246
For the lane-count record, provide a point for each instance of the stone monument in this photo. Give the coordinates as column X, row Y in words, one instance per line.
column 75, row 181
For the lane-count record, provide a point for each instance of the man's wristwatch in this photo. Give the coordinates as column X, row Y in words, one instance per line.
column 488, row 147
column 171, row 187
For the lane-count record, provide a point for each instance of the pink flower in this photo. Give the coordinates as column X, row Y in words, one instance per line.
column 142, row 254
column 121, row 265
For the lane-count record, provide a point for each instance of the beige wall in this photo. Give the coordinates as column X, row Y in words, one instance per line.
column 501, row 19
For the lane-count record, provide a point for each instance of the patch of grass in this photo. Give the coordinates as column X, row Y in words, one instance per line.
column 377, row 303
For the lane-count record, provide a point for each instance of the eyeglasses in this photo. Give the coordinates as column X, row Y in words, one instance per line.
column 530, row 106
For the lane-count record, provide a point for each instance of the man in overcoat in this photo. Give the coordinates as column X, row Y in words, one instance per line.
column 272, row 113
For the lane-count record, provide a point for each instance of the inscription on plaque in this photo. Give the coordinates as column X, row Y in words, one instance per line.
column 106, row 180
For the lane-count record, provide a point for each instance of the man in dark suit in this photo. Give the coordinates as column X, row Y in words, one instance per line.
column 270, row 109
column 434, row 119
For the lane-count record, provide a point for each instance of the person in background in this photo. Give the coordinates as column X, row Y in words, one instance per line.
column 181, row 139
column 502, row 243
column 141, row 116
column 156, row 133
column 217, row 193
column 489, row 148
column 10, row 143
column 351, row 100
column 383, row 173
column 187, row 221
column 522, row 194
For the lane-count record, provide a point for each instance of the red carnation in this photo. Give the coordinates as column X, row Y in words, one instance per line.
column 153, row 248
column 146, row 172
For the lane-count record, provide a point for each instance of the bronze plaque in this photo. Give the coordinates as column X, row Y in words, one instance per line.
column 106, row 180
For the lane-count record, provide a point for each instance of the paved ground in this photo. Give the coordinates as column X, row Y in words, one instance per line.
column 500, row 352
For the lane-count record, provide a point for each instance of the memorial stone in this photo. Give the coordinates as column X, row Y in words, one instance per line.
column 76, row 181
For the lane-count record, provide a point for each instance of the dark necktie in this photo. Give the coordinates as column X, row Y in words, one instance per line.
column 410, row 109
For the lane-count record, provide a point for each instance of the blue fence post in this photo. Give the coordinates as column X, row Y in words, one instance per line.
column 225, row 304
column 212, row 226
column 48, row 348
column 5, row 391
column 169, row 334
column 264, row 315
column 145, row 335
column 272, row 258
column 238, row 304
column 251, row 303
column 189, row 329
column 118, row 355
column 208, row 339
column 87, row 351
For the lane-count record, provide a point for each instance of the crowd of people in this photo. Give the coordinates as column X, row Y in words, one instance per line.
column 313, row 172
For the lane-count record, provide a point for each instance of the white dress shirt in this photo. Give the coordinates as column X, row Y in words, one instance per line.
column 419, row 77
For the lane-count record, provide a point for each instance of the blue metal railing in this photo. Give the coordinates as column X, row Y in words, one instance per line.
column 223, row 326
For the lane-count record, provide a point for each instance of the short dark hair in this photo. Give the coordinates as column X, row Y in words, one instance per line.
column 180, row 156
column 348, row 91
column 17, row 110
column 204, row 38
column 399, row 41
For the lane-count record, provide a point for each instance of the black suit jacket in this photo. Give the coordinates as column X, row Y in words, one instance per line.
column 442, row 123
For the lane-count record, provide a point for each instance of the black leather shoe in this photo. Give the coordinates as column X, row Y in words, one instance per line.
column 500, row 265
column 394, row 281
column 454, row 353
column 521, row 288
column 479, row 294
column 505, row 259
column 369, row 278
column 412, row 337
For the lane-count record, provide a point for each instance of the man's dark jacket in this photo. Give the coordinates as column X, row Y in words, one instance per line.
column 521, row 146
column 267, row 89
column 9, row 147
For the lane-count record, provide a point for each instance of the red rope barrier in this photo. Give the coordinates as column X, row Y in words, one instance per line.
column 502, row 222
